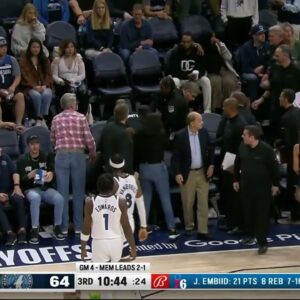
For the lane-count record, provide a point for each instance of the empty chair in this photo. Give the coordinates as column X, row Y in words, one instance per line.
column 167, row 61
column 58, row 31
column 42, row 133
column 145, row 69
column 164, row 34
column 211, row 122
column 3, row 32
column 10, row 12
column 9, row 142
column 266, row 18
column 198, row 26
column 110, row 76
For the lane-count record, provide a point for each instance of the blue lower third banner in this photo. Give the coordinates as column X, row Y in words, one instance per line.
column 40, row 282
column 234, row 281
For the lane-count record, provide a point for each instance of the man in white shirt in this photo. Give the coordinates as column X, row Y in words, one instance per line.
column 238, row 16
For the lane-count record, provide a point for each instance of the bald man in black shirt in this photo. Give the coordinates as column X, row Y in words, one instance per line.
column 256, row 177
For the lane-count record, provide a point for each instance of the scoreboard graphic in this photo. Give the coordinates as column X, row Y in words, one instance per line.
column 137, row 276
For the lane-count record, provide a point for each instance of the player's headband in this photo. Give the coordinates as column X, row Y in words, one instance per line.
column 116, row 166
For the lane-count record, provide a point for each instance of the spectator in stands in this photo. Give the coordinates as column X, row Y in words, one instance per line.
column 115, row 138
column 185, row 8
column 290, row 128
column 71, row 137
column 37, row 79
column 36, row 171
column 253, row 57
column 136, row 34
column 69, row 74
column 223, row 77
column 229, row 136
column 275, row 36
column 157, row 8
column 238, row 17
column 289, row 39
column 150, row 143
column 283, row 74
column 82, row 9
column 187, row 63
column 244, row 107
column 193, row 165
column 9, row 95
column 52, row 10
column 11, row 195
column 99, row 30
column 256, row 177
column 289, row 11
column 26, row 28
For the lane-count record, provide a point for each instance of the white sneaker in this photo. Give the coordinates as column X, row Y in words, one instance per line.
column 212, row 213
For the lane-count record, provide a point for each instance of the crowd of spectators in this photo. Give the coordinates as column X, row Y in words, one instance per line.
column 243, row 71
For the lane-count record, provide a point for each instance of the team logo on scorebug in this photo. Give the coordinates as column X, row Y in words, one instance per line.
column 16, row 281
column 160, row 281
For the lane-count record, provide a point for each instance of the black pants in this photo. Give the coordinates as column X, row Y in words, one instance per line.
column 81, row 95
column 256, row 202
column 231, row 201
column 237, row 32
column 293, row 205
column 18, row 204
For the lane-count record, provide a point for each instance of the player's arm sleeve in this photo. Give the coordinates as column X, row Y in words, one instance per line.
column 140, row 204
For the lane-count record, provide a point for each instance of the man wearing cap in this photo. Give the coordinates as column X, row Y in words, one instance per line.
column 10, row 78
column 253, row 56
column 71, row 137
column 11, row 195
column 36, row 170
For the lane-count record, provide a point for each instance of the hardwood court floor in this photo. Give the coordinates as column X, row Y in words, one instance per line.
column 277, row 260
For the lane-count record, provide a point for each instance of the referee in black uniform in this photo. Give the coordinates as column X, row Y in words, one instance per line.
column 256, row 175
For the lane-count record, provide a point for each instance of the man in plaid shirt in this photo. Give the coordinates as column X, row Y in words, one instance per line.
column 71, row 137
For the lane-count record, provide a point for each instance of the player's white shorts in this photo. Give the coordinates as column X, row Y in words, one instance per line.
column 109, row 250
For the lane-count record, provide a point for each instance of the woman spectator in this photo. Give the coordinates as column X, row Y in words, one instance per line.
column 52, row 10
column 26, row 28
column 150, row 143
column 289, row 39
column 37, row 79
column 99, row 30
column 69, row 73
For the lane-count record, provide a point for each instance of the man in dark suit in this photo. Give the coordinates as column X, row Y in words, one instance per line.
column 192, row 163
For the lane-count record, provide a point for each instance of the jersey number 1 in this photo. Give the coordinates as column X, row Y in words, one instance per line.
column 105, row 216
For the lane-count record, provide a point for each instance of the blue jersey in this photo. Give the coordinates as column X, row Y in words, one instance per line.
column 6, row 77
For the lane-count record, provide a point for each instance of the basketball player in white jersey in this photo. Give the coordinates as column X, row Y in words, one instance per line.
column 130, row 190
column 104, row 218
